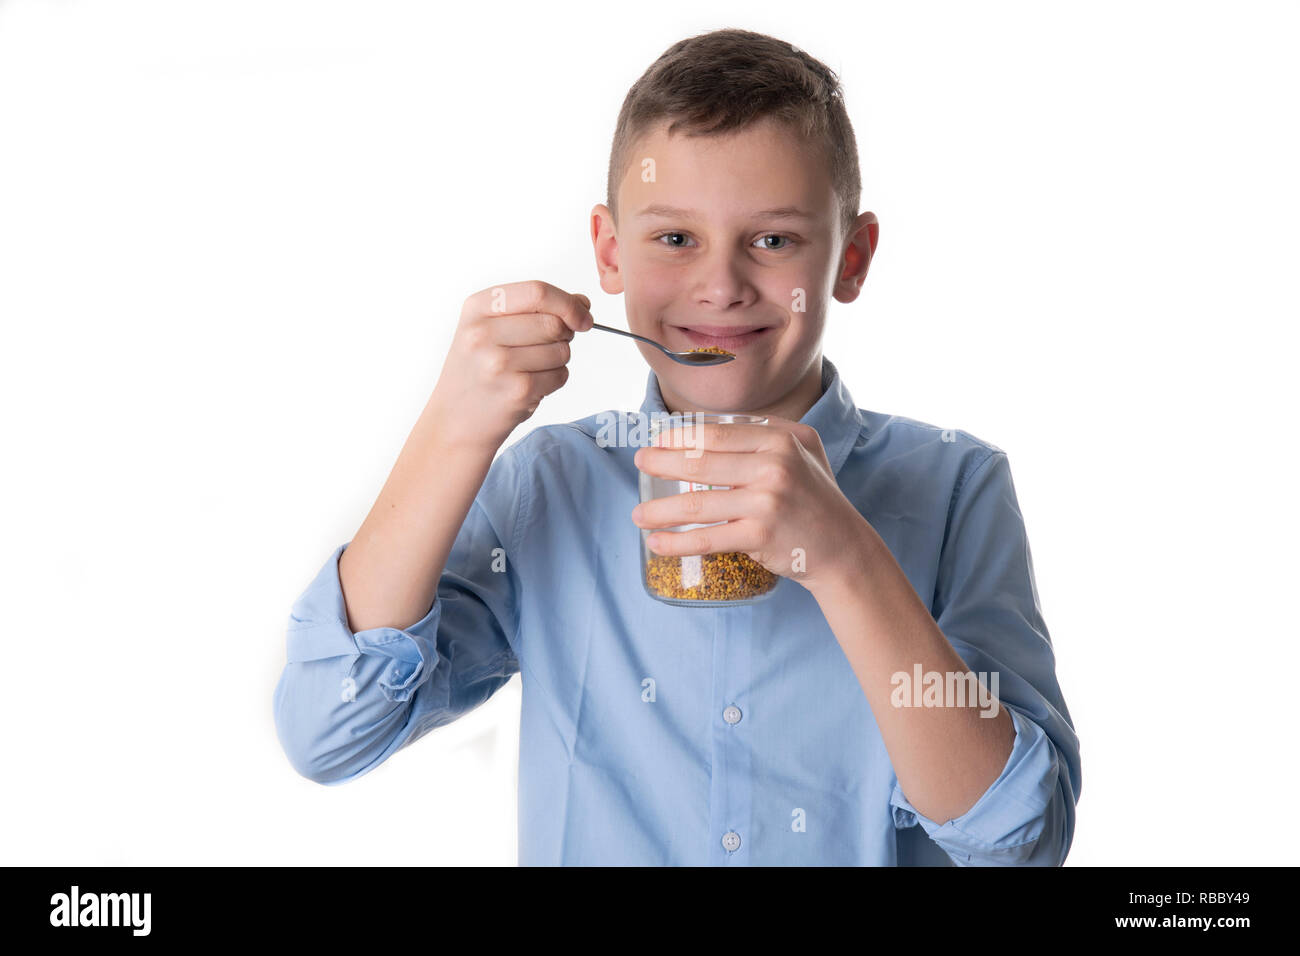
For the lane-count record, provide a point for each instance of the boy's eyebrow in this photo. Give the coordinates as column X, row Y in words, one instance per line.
column 675, row 212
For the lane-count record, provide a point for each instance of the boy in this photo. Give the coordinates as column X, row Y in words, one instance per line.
column 791, row 731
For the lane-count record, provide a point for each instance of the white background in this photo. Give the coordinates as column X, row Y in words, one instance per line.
column 234, row 241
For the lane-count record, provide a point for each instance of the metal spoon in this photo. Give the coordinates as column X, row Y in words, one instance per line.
column 686, row 358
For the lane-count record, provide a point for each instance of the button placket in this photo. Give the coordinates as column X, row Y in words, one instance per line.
column 731, row 787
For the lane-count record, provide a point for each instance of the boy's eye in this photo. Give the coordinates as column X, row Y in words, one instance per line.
column 763, row 239
column 665, row 235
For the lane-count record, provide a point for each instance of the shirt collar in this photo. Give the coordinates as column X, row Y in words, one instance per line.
column 834, row 415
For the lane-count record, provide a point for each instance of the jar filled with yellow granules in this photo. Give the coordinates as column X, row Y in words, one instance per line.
column 700, row 580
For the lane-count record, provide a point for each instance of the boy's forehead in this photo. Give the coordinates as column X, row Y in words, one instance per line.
column 761, row 167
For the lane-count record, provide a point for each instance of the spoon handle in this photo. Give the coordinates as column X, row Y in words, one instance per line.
column 630, row 335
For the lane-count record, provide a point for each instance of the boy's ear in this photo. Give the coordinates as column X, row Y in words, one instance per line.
column 858, row 253
column 604, row 242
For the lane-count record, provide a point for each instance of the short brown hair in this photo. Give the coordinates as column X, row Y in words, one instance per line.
column 725, row 80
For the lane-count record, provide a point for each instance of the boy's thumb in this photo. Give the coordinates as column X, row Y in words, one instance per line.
column 585, row 300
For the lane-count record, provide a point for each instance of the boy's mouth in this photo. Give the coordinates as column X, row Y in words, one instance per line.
column 729, row 337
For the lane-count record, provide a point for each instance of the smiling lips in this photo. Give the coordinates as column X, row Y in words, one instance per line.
column 729, row 337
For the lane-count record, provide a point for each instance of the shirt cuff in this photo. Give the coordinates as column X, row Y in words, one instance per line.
column 1003, row 826
column 319, row 631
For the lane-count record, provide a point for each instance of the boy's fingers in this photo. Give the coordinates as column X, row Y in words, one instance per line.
column 584, row 316
column 808, row 436
column 539, row 358
column 528, row 329
column 730, row 436
column 717, row 469
column 517, row 298
column 737, row 437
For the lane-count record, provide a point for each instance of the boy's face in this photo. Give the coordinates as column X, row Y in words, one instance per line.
column 703, row 261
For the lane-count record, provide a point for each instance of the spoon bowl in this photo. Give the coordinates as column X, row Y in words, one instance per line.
column 685, row 358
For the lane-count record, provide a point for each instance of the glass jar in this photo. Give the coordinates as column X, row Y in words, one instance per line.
column 699, row 580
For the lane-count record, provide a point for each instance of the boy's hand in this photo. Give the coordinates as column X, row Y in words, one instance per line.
column 784, row 508
column 510, row 350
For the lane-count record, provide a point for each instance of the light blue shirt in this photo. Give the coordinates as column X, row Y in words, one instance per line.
column 656, row 734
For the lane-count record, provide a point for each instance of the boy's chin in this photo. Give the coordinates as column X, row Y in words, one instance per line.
column 735, row 399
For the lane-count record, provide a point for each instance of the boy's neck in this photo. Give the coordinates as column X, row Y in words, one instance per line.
column 793, row 405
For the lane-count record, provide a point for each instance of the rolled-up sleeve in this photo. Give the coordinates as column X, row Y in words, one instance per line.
column 346, row 701
column 986, row 603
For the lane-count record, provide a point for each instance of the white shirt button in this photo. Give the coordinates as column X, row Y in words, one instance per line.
column 731, row 841
column 732, row 714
